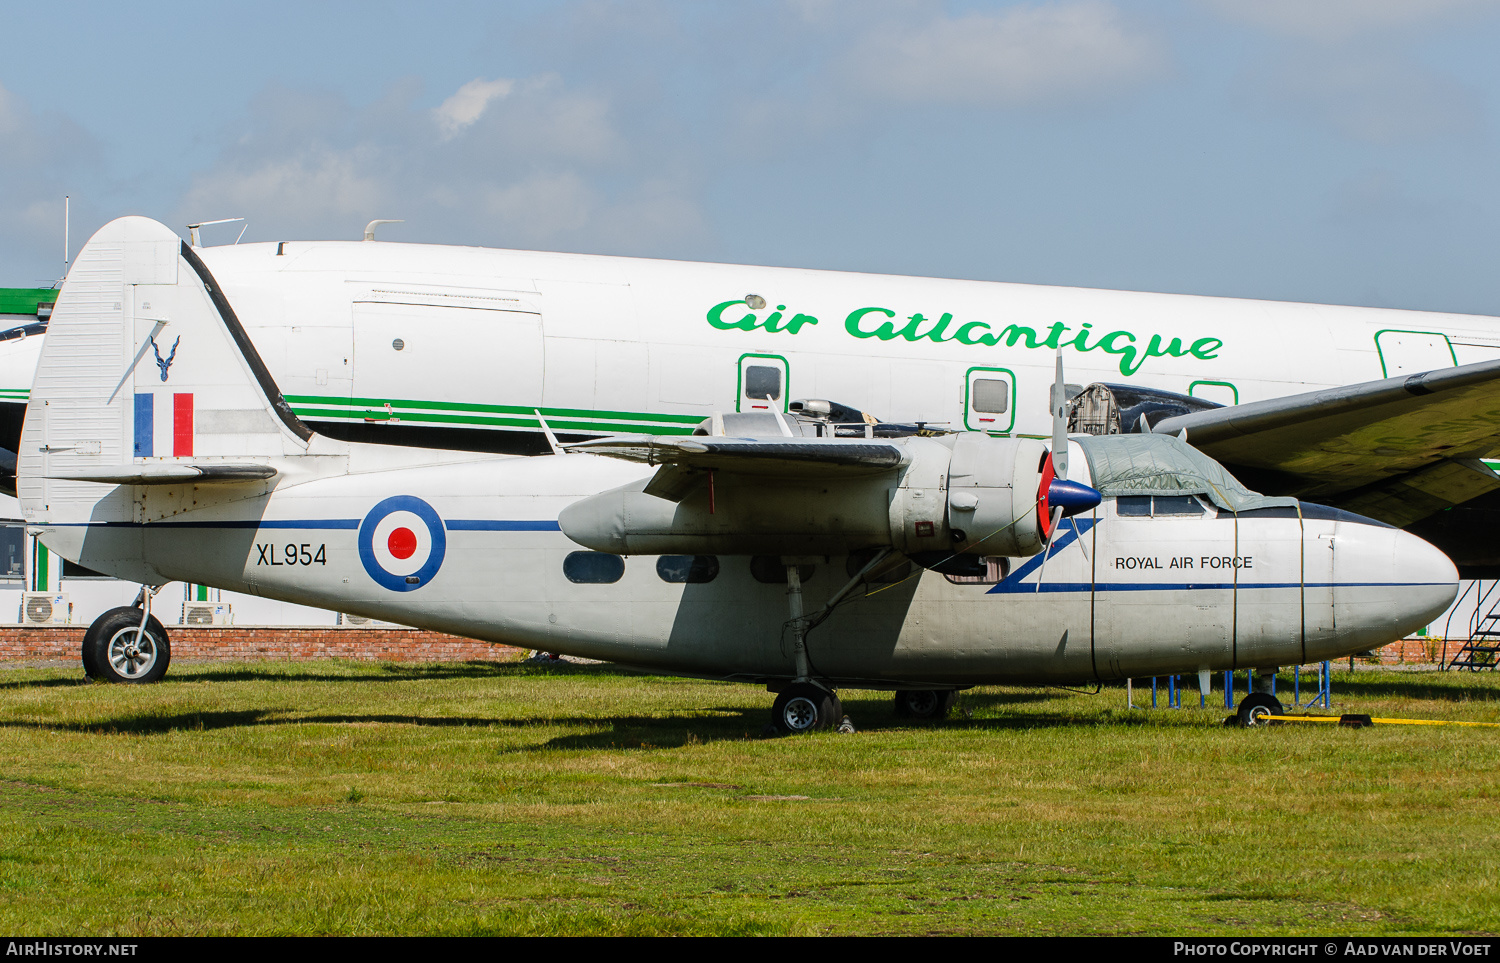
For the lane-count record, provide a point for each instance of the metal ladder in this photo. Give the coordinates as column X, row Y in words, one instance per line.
column 1482, row 648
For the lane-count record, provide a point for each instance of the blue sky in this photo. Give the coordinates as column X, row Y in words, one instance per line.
column 1341, row 151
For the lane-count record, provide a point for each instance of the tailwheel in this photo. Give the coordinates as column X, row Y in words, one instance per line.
column 803, row 707
column 115, row 649
column 924, row 703
column 1257, row 708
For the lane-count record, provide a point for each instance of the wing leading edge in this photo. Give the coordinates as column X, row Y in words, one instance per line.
column 1398, row 449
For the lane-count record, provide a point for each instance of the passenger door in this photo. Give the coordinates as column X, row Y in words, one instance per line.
column 763, row 383
column 989, row 400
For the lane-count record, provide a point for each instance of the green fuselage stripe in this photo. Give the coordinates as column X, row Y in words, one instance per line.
column 316, row 407
column 378, row 404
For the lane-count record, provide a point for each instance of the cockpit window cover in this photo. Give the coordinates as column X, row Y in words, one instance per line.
column 1163, row 465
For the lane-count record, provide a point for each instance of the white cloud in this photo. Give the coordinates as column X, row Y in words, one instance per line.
column 468, row 103
column 518, row 163
column 1023, row 56
column 42, row 157
column 1340, row 19
column 320, row 185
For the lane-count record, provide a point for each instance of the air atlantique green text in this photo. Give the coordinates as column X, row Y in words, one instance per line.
column 880, row 323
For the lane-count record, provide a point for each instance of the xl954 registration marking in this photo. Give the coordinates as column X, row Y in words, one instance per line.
column 291, row 553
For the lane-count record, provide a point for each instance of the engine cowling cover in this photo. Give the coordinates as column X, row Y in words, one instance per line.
column 965, row 493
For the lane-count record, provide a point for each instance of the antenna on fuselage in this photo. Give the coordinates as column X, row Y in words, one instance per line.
column 370, row 227
column 193, row 229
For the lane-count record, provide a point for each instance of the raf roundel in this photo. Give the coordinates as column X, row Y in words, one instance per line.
column 402, row 542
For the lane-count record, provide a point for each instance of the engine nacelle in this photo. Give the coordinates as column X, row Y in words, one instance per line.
column 966, row 493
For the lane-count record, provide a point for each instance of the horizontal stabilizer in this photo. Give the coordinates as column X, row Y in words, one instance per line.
column 169, row 474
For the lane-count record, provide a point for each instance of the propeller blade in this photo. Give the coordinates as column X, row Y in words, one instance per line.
column 1042, row 572
column 1060, row 422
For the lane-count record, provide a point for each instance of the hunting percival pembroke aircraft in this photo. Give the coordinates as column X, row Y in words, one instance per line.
column 158, row 446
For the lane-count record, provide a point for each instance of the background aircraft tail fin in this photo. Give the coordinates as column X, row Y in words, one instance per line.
column 146, row 377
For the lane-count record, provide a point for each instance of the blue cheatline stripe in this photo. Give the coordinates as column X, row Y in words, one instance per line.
column 350, row 524
column 1012, row 582
column 145, row 417
column 501, row 525
column 1085, row 587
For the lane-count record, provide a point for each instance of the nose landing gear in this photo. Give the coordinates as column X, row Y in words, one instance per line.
column 1257, row 708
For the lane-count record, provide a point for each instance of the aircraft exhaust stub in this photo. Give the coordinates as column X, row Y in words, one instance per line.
column 964, row 493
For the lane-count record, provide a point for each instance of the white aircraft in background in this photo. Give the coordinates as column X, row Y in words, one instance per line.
column 1389, row 414
column 158, row 446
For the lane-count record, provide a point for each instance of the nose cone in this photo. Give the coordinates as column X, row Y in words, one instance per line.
column 1387, row 584
column 1432, row 578
column 1071, row 496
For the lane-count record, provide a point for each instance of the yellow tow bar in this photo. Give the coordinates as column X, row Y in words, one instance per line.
column 1361, row 721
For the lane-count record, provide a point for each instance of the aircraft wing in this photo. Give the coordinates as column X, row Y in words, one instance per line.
column 685, row 460
column 1397, row 449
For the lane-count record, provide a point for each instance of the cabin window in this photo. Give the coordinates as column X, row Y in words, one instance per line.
column 996, row 568
column 991, row 396
column 884, row 574
column 770, row 570
column 593, row 567
column 1158, row 505
column 1176, row 505
column 12, row 550
column 690, row 569
column 763, row 382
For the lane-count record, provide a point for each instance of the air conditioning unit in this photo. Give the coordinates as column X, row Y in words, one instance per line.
column 45, row 608
column 207, row 613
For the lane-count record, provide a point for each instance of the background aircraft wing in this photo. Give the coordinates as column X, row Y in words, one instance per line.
column 1397, row 449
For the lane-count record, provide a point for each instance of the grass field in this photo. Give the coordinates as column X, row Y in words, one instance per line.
column 501, row 798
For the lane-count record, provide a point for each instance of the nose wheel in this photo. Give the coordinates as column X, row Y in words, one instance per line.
column 1257, row 709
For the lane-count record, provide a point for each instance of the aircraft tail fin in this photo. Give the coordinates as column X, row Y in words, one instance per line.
column 146, row 377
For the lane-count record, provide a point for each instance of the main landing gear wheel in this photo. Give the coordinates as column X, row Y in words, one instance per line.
column 116, row 650
column 924, row 703
column 802, row 707
column 1257, row 708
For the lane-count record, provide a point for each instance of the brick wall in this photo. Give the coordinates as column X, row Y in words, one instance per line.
column 301, row 644
column 251, row 644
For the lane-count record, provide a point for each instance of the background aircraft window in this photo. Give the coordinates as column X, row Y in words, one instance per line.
column 885, row 574
column 1177, row 505
column 768, row 569
column 693, row 569
column 763, row 382
column 1133, row 505
column 12, row 550
column 995, row 570
column 593, row 567
column 991, row 396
